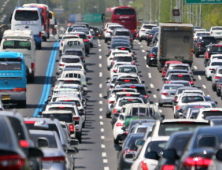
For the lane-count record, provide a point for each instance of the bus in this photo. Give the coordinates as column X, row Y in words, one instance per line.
column 123, row 15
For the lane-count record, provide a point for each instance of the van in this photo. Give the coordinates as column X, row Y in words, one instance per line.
column 13, row 80
column 21, row 41
column 28, row 18
column 73, row 43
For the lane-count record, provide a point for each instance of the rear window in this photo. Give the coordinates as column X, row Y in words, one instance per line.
column 183, row 83
column 17, row 44
column 70, row 60
column 124, row 81
column 154, row 50
column 10, row 64
column 126, row 59
column 16, row 125
column 180, row 143
column 78, row 53
column 216, row 64
column 211, row 113
column 119, row 45
column 61, row 117
column 217, row 28
column 156, row 146
column 141, row 90
column 139, row 111
column 129, row 70
column 70, row 82
column 166, row 129
column 208, row 40
column 112, row 28
column 124, row 11
column 51, row 139
column 180, row 67
column 73, row 67
column 62, row 108
column 27, row 16
column 122, row 33
column 207, row 141
column 148, row 26
column 128, row 101
column 73, row 101
column 171, row 87
column 72, row 75
column 180, row 77
column 190, row 99
column 141, row 130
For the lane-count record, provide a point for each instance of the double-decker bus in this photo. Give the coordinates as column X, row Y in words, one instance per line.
column 123, row 15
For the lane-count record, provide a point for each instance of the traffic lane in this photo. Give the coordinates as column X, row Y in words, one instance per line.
column 34, row 90
column 91, row 153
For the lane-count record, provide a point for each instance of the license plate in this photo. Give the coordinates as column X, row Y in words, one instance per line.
column 6, row 97
column 218, row 33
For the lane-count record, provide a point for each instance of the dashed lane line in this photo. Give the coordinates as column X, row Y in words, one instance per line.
column 149, row 75
column 100, row 117
column 102, row 130
column 101, row 123
column 100, row 95
column 100, row 65
column 102, row 137
column 143, row 51
column 195, row 67
column 204, row 86
column 100, row 102
column 106, row 168
column 154, row 96
column 100, row 85
column 103, row 146
column 101, row 109
column 199, row 77
column 151, row 86
column 145, row 57
column 103, row 154
column 100, row 57
column 99, row 50
column 100, row 74
column 105, row 161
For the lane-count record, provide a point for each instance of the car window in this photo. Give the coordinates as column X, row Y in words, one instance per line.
column 70, row 60
column 72, row 75
column 171, row 87
column 180, row 67
column 216, row 63
column 211, row 113
column 17, row 127
column 141, row 130
column 125, row 59
column 127, row 70
column 62, row 108
column 61, row 117
column 179, row 144
column 139, row 111
column 127, row 101
column 51, row 139
column 180, row 77
column 156, row 146
column 207, row 141
column 189, row 99
column 208, row 40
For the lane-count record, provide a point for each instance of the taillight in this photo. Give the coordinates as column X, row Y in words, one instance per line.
column 167, row 82
column 168, row 167
column 177, row 107
column 207, row 55
column 61, row 64
column 175, row 98
column 24, row 143
column 191, row 82
column 110, row 101
column 115, row 111
column 112, row 62
column 146, row 96
column 33, row 66
column 217, row 77
column 164, row 93
column 114, row 71
column 197, row 162
column 108, row 31
column 152, row 55
column 133, row 62
column 19, row 89
column 61, row 43
column 119, row 124
column 143, row 166
column 71, row 128
column 55, row 159
column 90, row 36
column 199, row 44
column 11, row 162
column 211, row 69
column 76, row 119
column 86, row 40
column 40, row 34
column 150, row 36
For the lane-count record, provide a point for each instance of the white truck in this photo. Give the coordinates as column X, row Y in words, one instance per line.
column 175, row 43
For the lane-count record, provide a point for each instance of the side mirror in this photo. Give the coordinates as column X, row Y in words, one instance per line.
column 74, row 143
column 57, row 73
column 108, row 47
column 35, row 153
column 147, row 51
column 108, row 43
column 123, row 128
column 107, row 55
column 139, row 71
column 219, row 155
column 194, row 79
column 216, row 102
column 152, row 155
column 164, row 79
column 170, row 154
column 151, row 102
column 139, row 142
column 162, row 116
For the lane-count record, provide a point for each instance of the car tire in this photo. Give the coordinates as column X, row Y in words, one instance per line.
column 79, row 137
column 22, row 104
column 108, row 115
column 140, row 40
column 106, row 40
column 148, row 44
column 39, row 46
column 44, row 39
column 218, row 93
column 83, row 125
column 208, row 78
column 91, row 45
column 116, row 141
column 197, row 55
column 213, row 87
column 31, row 79
column 160, row 104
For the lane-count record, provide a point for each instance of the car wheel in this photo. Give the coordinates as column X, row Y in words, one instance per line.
column 218, row 93
column 79, row 137
column 44, row 39
column 160, row 104
column 83, row 125
column 91, row 45
column 208, row 78
column 197, row 55
column 106, row 40
column 148, row 43
column 22, row 104
column 108, row 115
column 213, row 87
column 140, row 40
column 116, row 141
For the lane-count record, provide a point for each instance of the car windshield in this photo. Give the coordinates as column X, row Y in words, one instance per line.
column 26, row 16
column 65, row 117
column 208, row 40
column 124, row 11
column 125, row 59
column 148, row 26
column 128, row 101
column 50, row 139
column 168, row 128
column 141, row 130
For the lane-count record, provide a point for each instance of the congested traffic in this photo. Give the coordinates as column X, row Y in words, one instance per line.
column 110, row 97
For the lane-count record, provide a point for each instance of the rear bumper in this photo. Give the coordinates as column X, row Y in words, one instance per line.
column 8, row 97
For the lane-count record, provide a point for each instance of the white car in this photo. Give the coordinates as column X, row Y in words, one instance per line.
column 212, row 65
column 216, row 31
column 143, row 32
column 205, row 112
column 216, row 76
column 215, row 56
column 116, row 65
column 150, row 164
column 109, row 31
column 182, row 66
column 200, row 33
column 66, row 36
column 126, row 69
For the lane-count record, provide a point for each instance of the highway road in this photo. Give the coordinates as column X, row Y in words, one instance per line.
column 97, row 151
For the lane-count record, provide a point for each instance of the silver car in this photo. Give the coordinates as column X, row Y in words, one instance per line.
column 54, row 155
column 167, row 93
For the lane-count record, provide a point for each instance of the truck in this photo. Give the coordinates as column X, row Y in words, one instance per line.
column 175, row 43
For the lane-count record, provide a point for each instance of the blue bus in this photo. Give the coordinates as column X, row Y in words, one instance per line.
column 13, row 79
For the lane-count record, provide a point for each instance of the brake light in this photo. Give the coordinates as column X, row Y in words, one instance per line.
column 180, row 75
column 18, row 89
column 108, row 31
column 112, row 62
column 126, row 80
column 123, row 90
column 71, row 128
column 40, row 34
column 143, row 166
column 76, row 119
column 119, row 124
column 11, row 162
column 132, row 86
column 130, row 100
column 177, row 107
column 61, row 64
column 164, row 93
column 61, row 107
column 217, row 45
column 214, row 110
column 86, row 40
column 207, row 55
column 128, row 94
column 133, row 62
column 110, row 101
column 150, row 36
column 29, row 122
column 191, row 82
column 217, row 77
column 90, row 36
column 68, row 100
column 152, row 55
column 168, row 167
column 24, row 143
column 146, row 96
column 33, row 66
column 199, row 44
column 168, row 82
column 123, row 48
column 197, row 161
column 115, row 111
column 61, row 43
column 55, row 159
column 114, row 71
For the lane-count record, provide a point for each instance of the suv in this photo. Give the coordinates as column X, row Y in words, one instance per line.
column 151, row 35
column 212, row 49
column 123, row 32
column 109, row 31
column 201, row 43
column 216, row 31
column 144, row 30
column 85, row 40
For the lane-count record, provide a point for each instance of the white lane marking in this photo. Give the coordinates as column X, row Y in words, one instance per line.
column 99, row 45
column 100, row 65
column 101, row 109
column 101, row 117
column 101, row 123
column 143, row 51
column 100, row 57
column 105, row 161
column 149, row 75
column 106, row 168
column 102, row 130
column 138, row 42
column 100, row 102
column 100, row 74
column 141, row 46
column 204, row 86
column 195, row 67
column 102, row 137
column 160, row 111
column 145, row 57
column 99, row 49
column 103, row 154
column 208, row 95
column 157, row 103
column 151, row 86
column 100, row 95
column 147, row 66
column 154, row 96
column 100, row 85
column 199, row 77
column 102, row 146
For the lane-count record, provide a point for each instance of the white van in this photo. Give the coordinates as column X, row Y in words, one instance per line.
column 73, row 43
column 21, row 41
column 28, row 18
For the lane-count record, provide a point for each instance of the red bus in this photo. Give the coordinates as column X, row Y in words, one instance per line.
column 123, row 15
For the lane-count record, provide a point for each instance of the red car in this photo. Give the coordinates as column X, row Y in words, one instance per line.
column 166, row 66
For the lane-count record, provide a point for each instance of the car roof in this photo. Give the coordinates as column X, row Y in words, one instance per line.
column 183, row 120
column 45, row 132
column 70, row 56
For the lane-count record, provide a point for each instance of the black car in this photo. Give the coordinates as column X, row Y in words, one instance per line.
column 155, row 39
column 212, row 49
column 177, row 142
column 128, row 147
column 218, row 86
column 150, row 35
column 201, row 43
column 151, row 56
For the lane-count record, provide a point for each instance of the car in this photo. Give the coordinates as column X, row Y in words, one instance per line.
column 144, row 30
column 151, row 56
column 181, row 89
column 183, row 82
column 199, row 33
column 74, row 66
column 85, row 39
column 181, row 66
column 200, row 45
column 212, row 49
column 167, row 92
column 128, row 69
column 216, row 31
column 109, row 31
column 205, row 112
column 54, row 155
column 188, row 91
column 76, row 51
column 174, row 71
column 179, row 76
column 123, row 32
column 146, row 157
column 154, row 39
column 166, row 66
column 215, row 120
column 66, row 36
column 116, row 64
column 217, row 74
column 127, row 78
column 215, row 56
column 212, row 65
column 151, row 35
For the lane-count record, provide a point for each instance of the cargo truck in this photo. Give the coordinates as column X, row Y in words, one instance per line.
column 175, row 43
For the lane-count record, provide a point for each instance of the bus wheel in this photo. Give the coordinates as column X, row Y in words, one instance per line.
column 22, row 104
